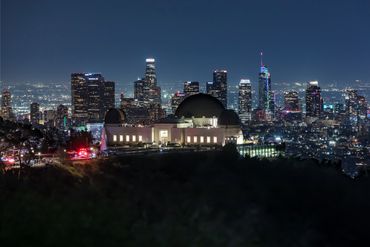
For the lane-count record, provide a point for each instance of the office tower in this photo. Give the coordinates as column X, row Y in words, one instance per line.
column 291, row 101
column 109, row 96
column 362, row 107
column 176, row 99
column 150, row 73
column 35, row 114
column 211, row 90
column 62, row 117
column 351, row 100
column 95, row 83
column 245, row 100
column 152, row 93
column 266, row 100
column 91, row 97
column 191, row 88
column 139, row 90
column 314, row 101
column 219, row 86
column 6, row 105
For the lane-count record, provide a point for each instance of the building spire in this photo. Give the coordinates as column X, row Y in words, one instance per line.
column 261, row 59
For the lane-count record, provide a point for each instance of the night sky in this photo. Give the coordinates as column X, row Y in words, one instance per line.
column 46, row 40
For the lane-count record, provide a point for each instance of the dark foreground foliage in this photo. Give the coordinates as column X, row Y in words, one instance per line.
column 186, row 199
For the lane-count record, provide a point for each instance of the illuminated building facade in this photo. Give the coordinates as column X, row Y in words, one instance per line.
column 219, row 86
column 266, row 100
column 6, row 105
column 314, row 101
column 35, row 114
column 291, row 101
column 261, row 151
column 152, row 92
column 245, row 100
column 176, row 99
column 191, row 88
column 91, row 97
column 199, row 120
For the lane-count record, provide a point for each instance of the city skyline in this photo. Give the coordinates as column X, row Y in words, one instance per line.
column 314, row 41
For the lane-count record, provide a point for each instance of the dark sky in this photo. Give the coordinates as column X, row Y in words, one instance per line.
column 46, row 40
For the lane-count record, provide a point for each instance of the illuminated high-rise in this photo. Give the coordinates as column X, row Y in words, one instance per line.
column 314, row 101
column 266, row 100
column 191, row 88
column 35, row 114
column 139, row 90
column 152, row 92
column 176, row 99
column 219, row 85
column 6, row 105
column 91, row 97
column 109, row 95
column 245, row 100
column 291, row 101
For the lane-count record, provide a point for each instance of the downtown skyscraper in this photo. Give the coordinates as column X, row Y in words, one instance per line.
column 91, row 97
column 266, row 100
column 218, row 87
column 245, row 100
column 291, row 101
column 314, row 101
column 152, row 92
column 6, row 105
column 191, row 88
column 146, row 90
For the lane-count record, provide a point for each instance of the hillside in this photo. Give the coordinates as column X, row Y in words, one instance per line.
column 188, row 199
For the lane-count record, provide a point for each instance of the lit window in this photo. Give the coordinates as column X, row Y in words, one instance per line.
column 188, row 139
column 208, row 139
column 127, row 138
column 163, row 133
column 195, row 138
column 215, row 139
column 134, row 138
column 114, row 138
column 121, row 138
column 202, row 139
column 140, row 138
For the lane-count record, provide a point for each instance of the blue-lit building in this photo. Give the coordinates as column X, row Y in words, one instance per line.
column 265, row 95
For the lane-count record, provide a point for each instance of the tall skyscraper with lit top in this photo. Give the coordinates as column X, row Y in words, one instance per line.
column 314, row 101
column 151, row 91
column 265, row 95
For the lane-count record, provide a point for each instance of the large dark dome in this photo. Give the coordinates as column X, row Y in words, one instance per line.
column 229, row 117
column 200, row 105
column 114, row 116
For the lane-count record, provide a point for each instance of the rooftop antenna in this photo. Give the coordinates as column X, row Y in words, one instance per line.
column 261, row 59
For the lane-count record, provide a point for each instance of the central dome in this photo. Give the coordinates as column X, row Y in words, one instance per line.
column 198, row 106
column 114, row 116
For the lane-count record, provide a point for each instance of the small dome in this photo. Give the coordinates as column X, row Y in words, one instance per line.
column 229, row 117
column 199, row 105
column 114, row 116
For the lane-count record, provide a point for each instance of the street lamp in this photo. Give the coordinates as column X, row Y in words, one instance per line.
column 39, row 154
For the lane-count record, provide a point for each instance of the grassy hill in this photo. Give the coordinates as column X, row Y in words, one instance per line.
column 186, row 199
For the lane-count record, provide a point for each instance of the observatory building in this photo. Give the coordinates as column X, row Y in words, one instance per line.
column 200, row 120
